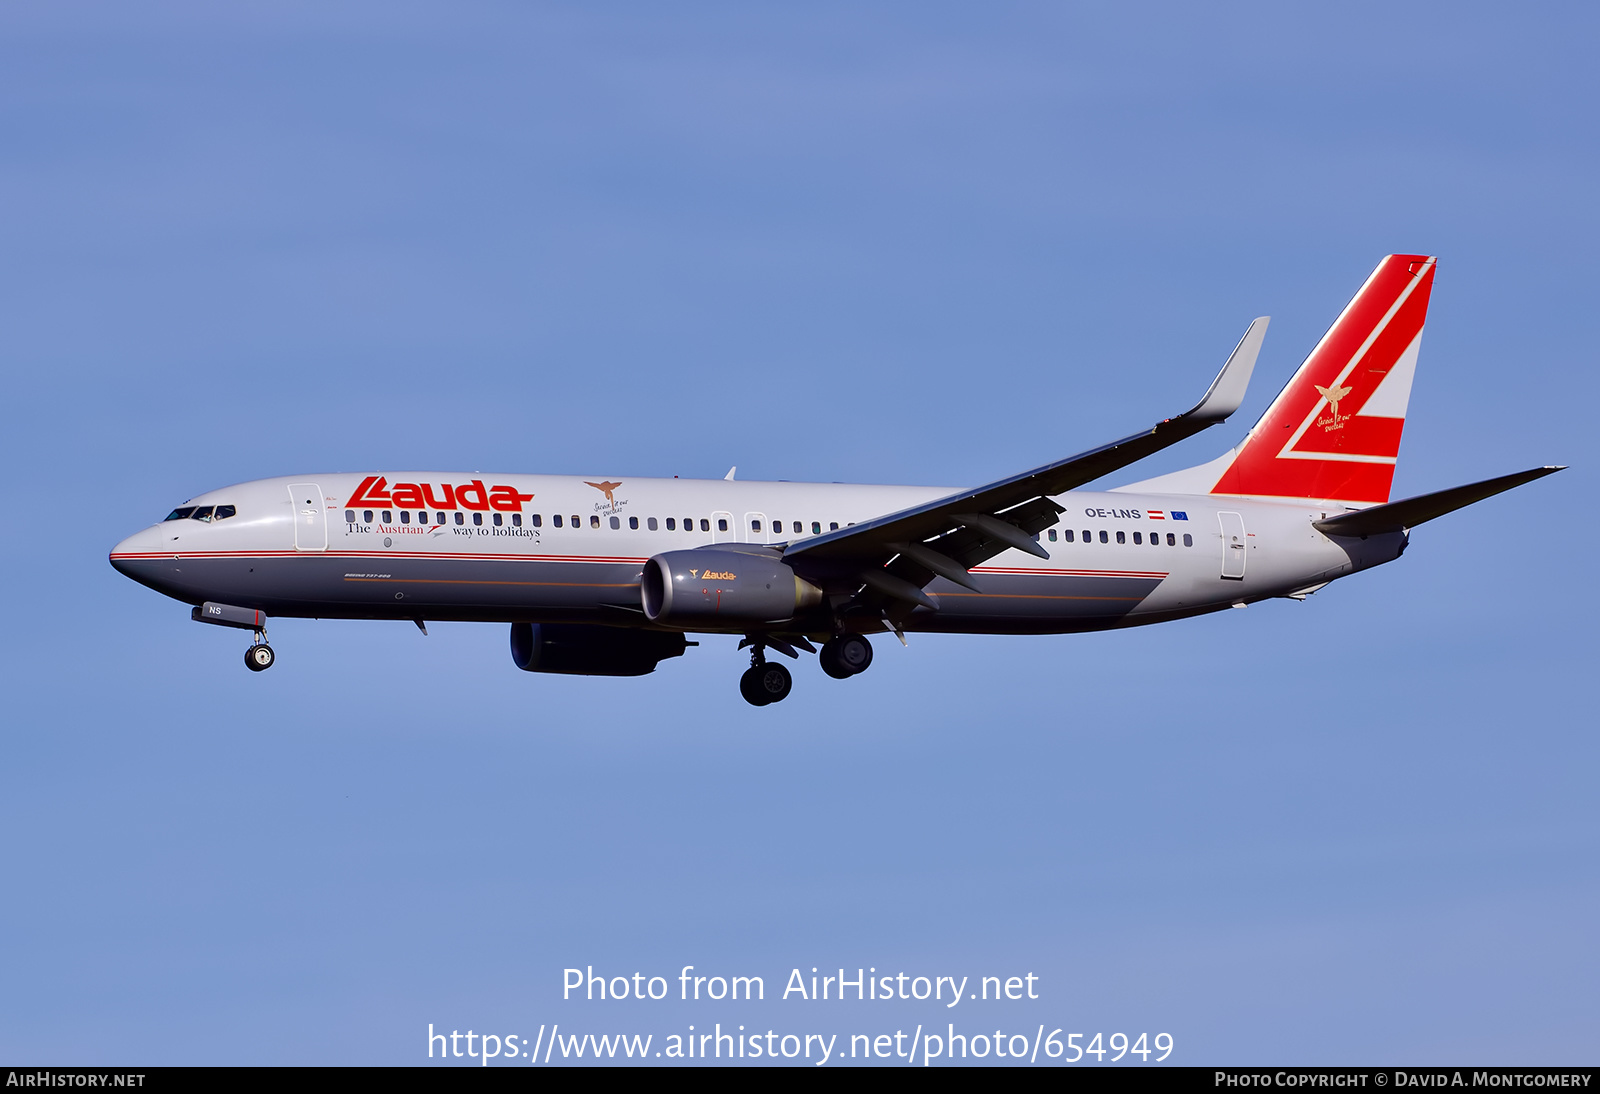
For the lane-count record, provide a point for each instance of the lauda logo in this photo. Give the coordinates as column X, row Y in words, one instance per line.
column 375, row 490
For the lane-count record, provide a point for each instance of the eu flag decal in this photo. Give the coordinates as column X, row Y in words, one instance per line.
column 1175, row 515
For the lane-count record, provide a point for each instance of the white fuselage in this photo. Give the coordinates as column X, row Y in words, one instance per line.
column 555, row 548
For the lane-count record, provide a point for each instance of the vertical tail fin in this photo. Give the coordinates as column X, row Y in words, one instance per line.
column 1333, row 432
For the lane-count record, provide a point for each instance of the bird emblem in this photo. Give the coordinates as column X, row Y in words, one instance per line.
column 1333, row 395
column 606, row 488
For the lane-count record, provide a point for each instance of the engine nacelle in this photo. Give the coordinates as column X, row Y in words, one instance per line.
column 721, row 588
column 582, row 649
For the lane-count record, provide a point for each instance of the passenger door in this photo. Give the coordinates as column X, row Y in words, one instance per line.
column 722, row 529
column 310, row 516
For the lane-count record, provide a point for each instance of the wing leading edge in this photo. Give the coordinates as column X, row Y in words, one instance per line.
column 890, row 558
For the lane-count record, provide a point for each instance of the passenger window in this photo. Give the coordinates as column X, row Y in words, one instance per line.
column 460, row 518
column 616, row 522
column 705, row 525
column 722, row 524
column 1138, row 539
column 180, row 514
column 388, row 516
column 226, row 511
column 650, row 523
column 1067, row 535
column 1103, row 537
column 516, row 520
column 1052, row 535
column 202, row 513
column 1088, row 536
column 816, row 527
column 498, row 520
column 477, row 518
column 755, row 526
column 1188, row 540
column 556, row 520
column 672, row 524
column 349, row 516
column 833, row 526
column 366, row 516
column 405, row 517
column 537, row 520
column 576, row 523
column 1122, row 537
column 594, row 521
column 1172, row 540
column 439, row 518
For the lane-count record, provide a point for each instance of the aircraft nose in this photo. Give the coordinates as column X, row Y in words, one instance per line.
column 140, row 543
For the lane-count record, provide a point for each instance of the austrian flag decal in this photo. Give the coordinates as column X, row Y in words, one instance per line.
column 375, row 490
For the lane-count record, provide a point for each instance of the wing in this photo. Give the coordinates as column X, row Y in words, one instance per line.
column 884, row 563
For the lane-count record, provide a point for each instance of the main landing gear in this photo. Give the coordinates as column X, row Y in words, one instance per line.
column 844, row 655
column 259, row 657
column 766, row 682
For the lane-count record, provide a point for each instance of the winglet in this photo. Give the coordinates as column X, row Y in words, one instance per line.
column 729, row 476
column 1227, row 390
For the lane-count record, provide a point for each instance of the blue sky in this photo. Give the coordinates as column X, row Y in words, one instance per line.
column 887, row 243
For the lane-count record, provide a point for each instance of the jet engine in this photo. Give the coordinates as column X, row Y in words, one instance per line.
column 582, row 649
column 720, row 588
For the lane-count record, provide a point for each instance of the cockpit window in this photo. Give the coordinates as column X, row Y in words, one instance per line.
column 224, row 512
column 180, row 514
column 202, row 513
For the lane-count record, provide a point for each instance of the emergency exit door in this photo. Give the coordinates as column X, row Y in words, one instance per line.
column 1233, row 546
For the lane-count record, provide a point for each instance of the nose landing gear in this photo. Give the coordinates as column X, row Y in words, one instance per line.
column 259, row 657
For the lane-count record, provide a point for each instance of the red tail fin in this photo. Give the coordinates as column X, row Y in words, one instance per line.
column 1334, row 431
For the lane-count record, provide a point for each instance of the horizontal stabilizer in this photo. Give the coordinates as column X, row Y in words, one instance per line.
column 1397, row 516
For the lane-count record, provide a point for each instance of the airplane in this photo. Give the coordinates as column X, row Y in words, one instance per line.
column 609, row 577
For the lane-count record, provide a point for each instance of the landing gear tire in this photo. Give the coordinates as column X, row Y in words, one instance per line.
column 767, row 683
column 259, row 658
column 845, row 655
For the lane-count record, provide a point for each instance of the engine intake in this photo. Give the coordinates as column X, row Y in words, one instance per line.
column 707, row 586
column 581, row 649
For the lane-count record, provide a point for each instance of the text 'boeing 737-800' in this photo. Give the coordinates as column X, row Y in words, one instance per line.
column 608, row 576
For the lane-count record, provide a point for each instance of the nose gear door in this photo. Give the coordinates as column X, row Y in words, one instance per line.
column 310, row 517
